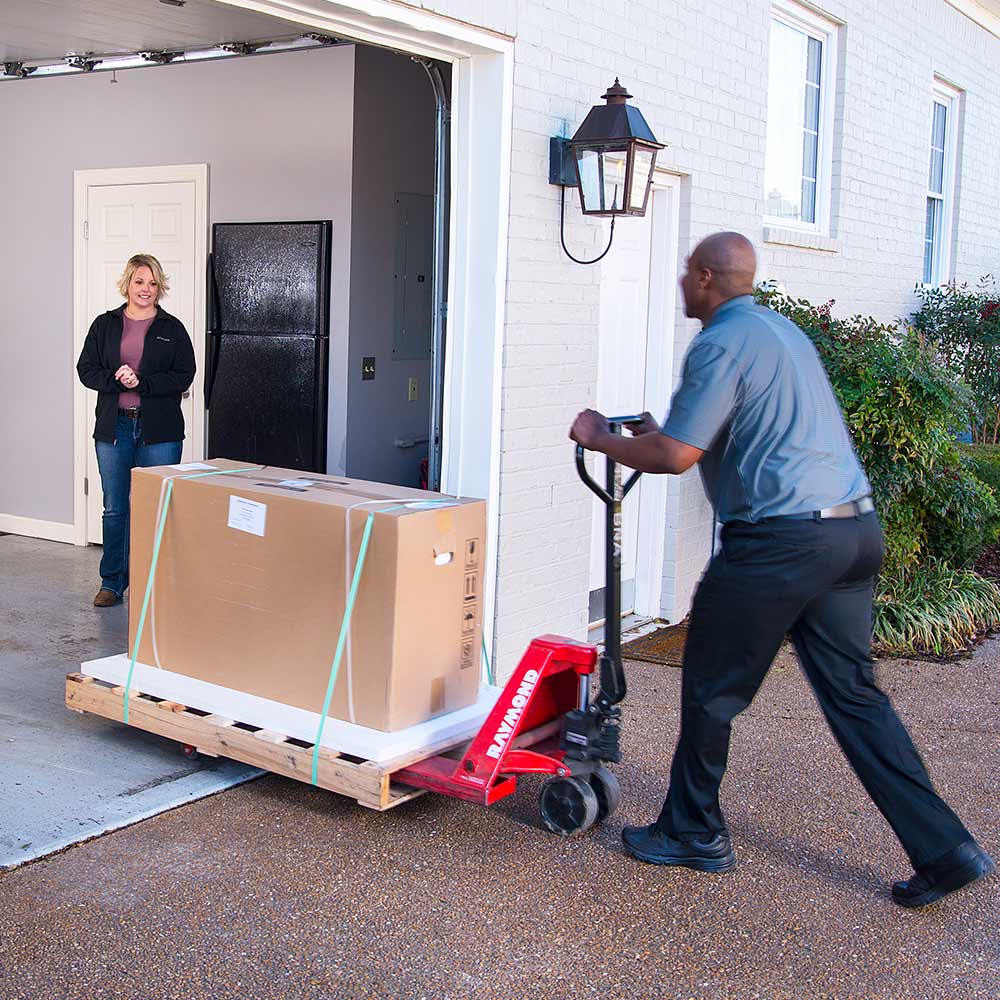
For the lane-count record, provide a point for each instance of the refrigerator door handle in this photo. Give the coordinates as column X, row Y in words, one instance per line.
column 214, row 344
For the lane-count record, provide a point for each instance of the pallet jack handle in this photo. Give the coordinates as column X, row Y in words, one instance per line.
column 612, row 672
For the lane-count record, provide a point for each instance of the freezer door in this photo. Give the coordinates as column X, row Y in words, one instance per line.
column 267, row 364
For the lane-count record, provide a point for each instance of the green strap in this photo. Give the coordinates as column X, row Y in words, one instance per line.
column 489, row 667
column 345, row 624
column 153, row 563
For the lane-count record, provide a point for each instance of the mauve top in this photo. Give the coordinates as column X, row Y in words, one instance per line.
column 133, row 341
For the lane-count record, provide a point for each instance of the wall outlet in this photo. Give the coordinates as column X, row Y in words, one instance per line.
column 367, row 369
column 411, row 392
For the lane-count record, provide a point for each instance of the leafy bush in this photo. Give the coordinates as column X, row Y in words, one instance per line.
column 985, row 462
column 962, row 514
column 901, row 403
column 963, row 326
column 934, row 609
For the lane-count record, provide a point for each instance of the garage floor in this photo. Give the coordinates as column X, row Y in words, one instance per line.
column 66, row 777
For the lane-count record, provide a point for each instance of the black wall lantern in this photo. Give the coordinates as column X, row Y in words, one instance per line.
column 610, row 160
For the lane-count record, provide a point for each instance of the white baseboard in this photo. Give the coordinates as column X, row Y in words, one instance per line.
column 54, row 531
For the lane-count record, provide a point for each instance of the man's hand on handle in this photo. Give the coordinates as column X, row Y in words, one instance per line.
column 648, row 450
column 589, row 428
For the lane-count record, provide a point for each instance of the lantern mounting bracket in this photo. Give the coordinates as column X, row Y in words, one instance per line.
column 562, row 171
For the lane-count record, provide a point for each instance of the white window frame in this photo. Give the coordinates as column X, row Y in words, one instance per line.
column 825, row 31
column 943, row 93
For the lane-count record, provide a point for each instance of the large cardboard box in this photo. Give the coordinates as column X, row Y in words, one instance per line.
column 253, row 573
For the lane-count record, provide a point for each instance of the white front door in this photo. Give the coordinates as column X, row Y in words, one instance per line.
column 122, row 220
column 635, row 361
column 621, row 384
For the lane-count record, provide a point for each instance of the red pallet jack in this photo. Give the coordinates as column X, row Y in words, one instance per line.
column 553, row 682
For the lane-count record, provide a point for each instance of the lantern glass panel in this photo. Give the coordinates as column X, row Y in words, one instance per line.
column 615, row 164
column 641, row 171
column 602, row 178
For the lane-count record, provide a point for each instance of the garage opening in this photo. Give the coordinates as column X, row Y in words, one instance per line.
column 309, row 128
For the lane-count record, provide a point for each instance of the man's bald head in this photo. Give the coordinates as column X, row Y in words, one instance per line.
column 721, row 267
column 731, row 259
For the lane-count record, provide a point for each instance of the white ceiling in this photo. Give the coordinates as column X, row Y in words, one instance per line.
column 47, row 30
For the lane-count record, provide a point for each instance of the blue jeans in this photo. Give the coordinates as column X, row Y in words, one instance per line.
column 116, row 462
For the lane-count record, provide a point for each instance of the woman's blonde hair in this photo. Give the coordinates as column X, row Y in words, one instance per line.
column 133, row 265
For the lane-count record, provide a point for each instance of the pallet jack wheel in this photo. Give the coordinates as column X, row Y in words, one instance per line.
column 568, row 805
column 608, row 792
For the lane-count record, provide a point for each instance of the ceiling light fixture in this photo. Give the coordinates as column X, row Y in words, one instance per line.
column 84, row 63
column 160, row 58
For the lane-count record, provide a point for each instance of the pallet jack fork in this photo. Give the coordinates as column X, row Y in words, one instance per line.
column 545, row 721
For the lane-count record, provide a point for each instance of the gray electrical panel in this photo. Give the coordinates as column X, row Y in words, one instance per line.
column 413, row 277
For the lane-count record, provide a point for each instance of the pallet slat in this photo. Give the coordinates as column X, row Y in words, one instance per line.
column 370, row 784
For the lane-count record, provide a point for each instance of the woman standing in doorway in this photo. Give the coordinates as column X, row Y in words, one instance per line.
column 140, row 360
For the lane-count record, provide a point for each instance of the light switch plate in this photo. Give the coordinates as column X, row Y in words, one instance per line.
column 411, row 393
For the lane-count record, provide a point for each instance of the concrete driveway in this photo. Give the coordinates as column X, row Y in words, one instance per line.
column 275, row 890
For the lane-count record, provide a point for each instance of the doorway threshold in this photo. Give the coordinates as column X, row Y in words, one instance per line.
column 633, row 627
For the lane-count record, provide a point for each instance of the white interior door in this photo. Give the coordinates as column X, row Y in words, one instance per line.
column 122, row 220
column 621, row 384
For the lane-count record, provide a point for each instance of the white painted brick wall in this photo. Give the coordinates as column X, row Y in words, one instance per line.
column 699, row 74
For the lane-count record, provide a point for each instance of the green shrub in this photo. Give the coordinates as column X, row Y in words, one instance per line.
column 963, row 327
column 933, row 609
column 961, row 515
column 936, row 500
column 900, row 404
column 985, row 462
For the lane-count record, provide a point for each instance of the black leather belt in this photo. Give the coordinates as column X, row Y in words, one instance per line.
column 130, row 411
column 853, row 508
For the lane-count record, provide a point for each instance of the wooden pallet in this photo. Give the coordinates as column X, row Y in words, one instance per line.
column 367, row 782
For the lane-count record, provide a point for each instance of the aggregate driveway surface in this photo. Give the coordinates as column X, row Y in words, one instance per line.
column 275, row 890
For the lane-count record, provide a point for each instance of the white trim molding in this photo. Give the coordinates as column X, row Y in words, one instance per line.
column 950, row 98
column 53, row 531
column 978, row 13
column 825, row 29
column 482, row 63
column 83, row 180
column 800, row 238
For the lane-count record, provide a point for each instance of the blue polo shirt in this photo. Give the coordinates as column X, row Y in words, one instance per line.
column 756, row 399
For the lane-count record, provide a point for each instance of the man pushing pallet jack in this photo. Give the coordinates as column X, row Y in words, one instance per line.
column 801, row 545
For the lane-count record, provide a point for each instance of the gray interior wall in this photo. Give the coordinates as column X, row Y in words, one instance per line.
column 276, row 132
column 393, row 152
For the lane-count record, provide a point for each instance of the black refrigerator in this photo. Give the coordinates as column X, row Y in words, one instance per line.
column 267, row 359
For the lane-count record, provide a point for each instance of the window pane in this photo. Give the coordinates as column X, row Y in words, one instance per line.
column 793, row 121
column 938, row 133
column 932, row 237
column 808, row 199
column 940, row 123
column 811, row 111
column 815, row 60
column 810, row 149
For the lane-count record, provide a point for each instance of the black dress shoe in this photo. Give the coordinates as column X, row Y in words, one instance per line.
column 713, row 854
column 966, row 864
